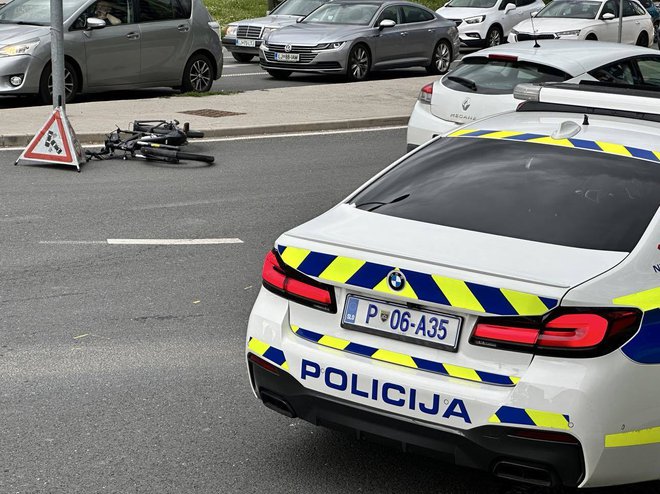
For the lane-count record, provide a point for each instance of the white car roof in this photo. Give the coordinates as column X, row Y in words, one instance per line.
column 572, row 56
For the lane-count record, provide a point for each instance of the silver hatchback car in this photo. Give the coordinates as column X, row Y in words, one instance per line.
column 109, row 45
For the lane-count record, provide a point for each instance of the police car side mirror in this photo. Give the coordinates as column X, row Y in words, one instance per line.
column 386, row 23
column 95, row 23
column 607, row 16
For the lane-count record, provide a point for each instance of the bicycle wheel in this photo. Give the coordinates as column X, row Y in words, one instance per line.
column 194, row 134
column 195, row 157
column 168, row 155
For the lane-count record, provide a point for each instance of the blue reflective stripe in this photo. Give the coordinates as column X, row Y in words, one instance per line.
column 315, row 263
column 550, row 303
column 494, row 378
column 275, row 355
column 429, row 365
column 581, row 143
column 642, row 153
column 280, row 249
column 369, row 275
column 524, row 137
column 511, row 415
column 477, row 133
column 645, row 346
column 492, row 299
column 309, row 335
column 365, row 351
column 425, row 287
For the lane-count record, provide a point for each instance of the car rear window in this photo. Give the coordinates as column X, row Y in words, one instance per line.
column 549, row 194
column 496, row 76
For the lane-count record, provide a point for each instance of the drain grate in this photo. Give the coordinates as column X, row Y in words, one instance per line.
column 208, row 112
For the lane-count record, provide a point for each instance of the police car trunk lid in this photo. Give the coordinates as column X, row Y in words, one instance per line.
column 475, row 274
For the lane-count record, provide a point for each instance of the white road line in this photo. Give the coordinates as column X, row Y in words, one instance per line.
column 173, row 241
column 72, row 242
column 241, row 75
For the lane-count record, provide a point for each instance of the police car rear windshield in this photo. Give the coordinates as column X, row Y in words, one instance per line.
column 523, row 190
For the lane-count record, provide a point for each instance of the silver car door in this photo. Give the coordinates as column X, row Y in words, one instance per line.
column 166, row 39
column 112, row 53
column 423, row 32
column 391, row 43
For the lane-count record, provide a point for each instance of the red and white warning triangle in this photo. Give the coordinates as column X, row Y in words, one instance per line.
column 56, row 143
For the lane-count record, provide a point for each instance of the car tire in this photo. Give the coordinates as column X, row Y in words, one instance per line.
column 494, row 36
column 242, row 57
column 279, row 74
column 591, row 37
column 643, row 39
column 71, row 84
column 359, row 63
column 441, row 59
column 198, row 75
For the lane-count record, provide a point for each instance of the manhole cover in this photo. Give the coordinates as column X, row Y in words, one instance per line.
column 207, row 112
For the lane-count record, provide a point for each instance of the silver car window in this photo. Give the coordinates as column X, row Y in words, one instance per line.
column 34, row 11
column 571, row 9
column 297, row 7
column 353, row 13
column 478, row 4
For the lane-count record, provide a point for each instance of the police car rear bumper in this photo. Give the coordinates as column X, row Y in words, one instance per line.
column 491, row 448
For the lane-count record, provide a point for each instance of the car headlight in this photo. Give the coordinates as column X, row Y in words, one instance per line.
column 575, row 32
column 475, row 20
column 26, row 48
column 231, row 31
column 268, row 30
column 330, row 46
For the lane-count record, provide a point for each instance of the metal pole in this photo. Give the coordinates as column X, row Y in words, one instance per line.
column 57, row 52
column 620, row 19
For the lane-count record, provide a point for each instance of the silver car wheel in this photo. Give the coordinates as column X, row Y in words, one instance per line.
column 359, row 63
column 443, row 58
column 69, row 84
column 494, row 37
column 200, row 75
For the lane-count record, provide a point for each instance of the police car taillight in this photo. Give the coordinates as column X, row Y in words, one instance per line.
column 284, row 281
column 574, row 332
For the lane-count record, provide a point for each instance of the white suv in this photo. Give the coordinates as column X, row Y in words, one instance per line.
column 487, row 22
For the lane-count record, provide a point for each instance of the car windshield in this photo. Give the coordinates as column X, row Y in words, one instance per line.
column 493, row 76
column 477, row 4
column 344, row 13
column 297, row 7
column 35, row 12
column 537, row 192
column 575, row 9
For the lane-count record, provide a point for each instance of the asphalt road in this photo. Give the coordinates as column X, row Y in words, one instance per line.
column 121, row 366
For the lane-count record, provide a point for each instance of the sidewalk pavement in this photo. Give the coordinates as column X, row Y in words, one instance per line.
column 291, row 109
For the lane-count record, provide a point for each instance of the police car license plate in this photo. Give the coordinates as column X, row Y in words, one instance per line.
column 287, row 57
column 401, row 322
column 246, row 42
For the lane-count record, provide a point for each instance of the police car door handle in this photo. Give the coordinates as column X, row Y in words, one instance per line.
column 133, row 35
column 183, row 28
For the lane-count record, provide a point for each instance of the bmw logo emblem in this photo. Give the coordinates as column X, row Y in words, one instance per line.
column 396, row 280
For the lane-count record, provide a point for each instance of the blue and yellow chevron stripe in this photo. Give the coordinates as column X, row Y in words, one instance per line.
column 406, row 360
column 527, row 416
column 421, row 286
column 605, row 147
column 644, row 347
column 269, row 352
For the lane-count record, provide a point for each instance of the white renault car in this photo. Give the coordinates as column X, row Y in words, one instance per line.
column 487, row 22
column 493, row 296
column 483, row 85
column 596, row 20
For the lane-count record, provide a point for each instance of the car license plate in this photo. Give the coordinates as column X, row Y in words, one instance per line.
column 401, row 322
column 287, row 57
column 246, row 42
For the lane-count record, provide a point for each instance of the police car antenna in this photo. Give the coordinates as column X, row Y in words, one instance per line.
column 536, row 41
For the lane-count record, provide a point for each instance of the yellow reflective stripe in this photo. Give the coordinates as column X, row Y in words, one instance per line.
column 646, row 300
column 494, row 419
column 461, row 132
column 295, row 328
column 406, row 291
column 258, row 346
column 394, row 358
column 525, row 303
column 657, row 154
column 633, row 438
column 458, row 293
column 341, row 269
column 514, row 379
column 462, row 372
column 333, row 342
column 554, row 142
column 548, row 419
column 285, row 366
column 608, row 147
column 293, row 256
column 501, row 134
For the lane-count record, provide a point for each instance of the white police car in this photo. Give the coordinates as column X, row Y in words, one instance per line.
column 493, row 296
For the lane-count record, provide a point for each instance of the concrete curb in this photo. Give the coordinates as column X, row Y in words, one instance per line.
column 248, row 130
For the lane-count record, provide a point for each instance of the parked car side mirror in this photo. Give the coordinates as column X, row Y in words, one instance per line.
column 509, row 7
column 268, row 12
column 534, row 14
column 607, row 16
column 95, row 23
column 386, row 23
column 299, row 19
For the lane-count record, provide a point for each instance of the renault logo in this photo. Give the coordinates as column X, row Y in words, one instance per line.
column 466, row 104
column 287, row 48
column 396, row 280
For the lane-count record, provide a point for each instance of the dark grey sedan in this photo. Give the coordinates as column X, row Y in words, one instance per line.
column 354, row 37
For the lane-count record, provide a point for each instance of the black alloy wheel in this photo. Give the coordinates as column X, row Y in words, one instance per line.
column 198, row 75
column 359, row 62
column 441, row 60
column 71, row 84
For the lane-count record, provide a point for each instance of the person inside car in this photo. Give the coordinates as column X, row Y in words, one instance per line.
column 104, row 11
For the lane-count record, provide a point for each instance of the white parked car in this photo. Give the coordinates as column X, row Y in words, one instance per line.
column 487, row 22
column 596, row 20
column 483, row 85
column 492, row 296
